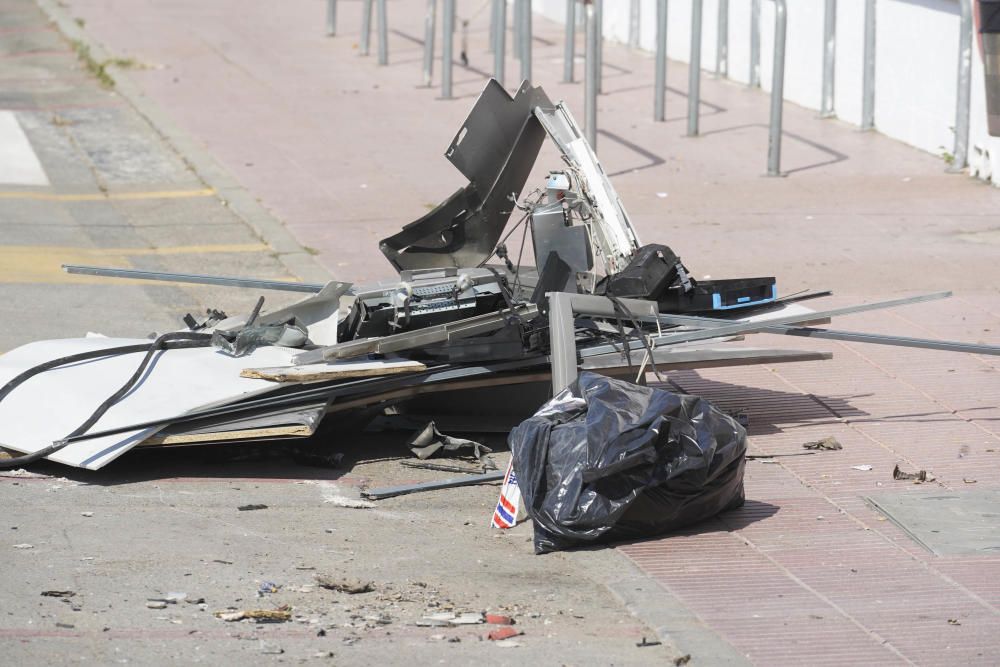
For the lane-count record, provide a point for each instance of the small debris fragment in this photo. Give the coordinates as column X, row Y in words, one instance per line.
column 469, row 618
column 345, row 586
column 645, row 643
column 279, row 615
column 224, row 562
column 968, row 481
column 24, row 546
column 156, row 604
column 683, row 660
column 498, row 619
column 918, row 477
column 250, row 508
column 953, row 621
column 68, row 626
column 865, row 467
column 58, row 594
column 503, row 633
column 829, row 444
column 268, row 587
column 270, row 648
column 87, row 514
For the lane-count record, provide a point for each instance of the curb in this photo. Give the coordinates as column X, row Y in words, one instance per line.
column 240, row 201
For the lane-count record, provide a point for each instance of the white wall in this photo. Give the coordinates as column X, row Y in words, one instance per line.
column 916, row 61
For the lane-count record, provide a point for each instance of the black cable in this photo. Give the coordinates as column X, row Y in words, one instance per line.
column 173, row 340
column 621, row 308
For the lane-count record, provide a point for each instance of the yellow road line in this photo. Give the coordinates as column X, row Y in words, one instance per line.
column 108, row 196
column 43, row 264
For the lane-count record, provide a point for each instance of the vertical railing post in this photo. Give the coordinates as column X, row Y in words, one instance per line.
column 829, row 58
column 868, row 85
column 722, row 40
column 569, row 48
column 634, row 23
column 331, row 17
column 500, row 41
column 694, row 70
column 526, row 40
column 599, row 14
column 447, row 47
column 590, row 77
column 777, row 88
column 518, row 9
column 659, row 105
column 961, row 153
column 430, row 24
column 493, row 27
column 383, row 34
column 366, row 26
column 755, row 44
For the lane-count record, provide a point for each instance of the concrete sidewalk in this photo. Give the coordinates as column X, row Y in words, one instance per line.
column 344, row 152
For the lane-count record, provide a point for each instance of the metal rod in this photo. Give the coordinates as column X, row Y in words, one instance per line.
column 777, row 88
column 961, row 153
column 829, row 58
column 366, row 26
column 755, row 44
column 225, row 281
column 383, row 34
column 391, row 491
column 659, row 104
column 694, row 70
column 868, row 85
column 526, row 40
column 430, row 25
column 493, row 26
column 447, row 48
column 569, row 47
column 516, row 27
column 500, row 41
column 590, row 78
column 722, row 40
column 331, row 17
column 634, row 23
column 599, row 54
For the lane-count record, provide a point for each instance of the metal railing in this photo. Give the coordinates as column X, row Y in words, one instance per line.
column 960, row 156
column 591, row 76
column 660, row 77
column 868, row 79
column 694, row 70
column 331, row 17
column 829, row 58
column 722, row 40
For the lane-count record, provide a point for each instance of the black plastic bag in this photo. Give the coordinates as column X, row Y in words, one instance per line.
column 607, row 460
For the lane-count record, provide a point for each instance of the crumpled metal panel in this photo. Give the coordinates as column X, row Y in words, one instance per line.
column 495, row 149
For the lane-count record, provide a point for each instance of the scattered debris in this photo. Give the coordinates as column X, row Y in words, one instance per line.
column 389, row 492
column 344, row 585
column 250, row 508
column 270, row 648
column 24, row 546
column 918, row 477
column 864, row 467
column 429, row 441
column 953, row 621
column 830, row 444
column 499, row 619
column 503, row 633
column 268, row 587
column 683, row 660
column 58, row 594
column 644, row 643
column 87, row 514
column 156, row 604
column 969, row 481
column 279, row 615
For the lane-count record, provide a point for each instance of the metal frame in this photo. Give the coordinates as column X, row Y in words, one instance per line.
column 659, row 102
column 829, row 58
column 963, row 96
column 868, row 82
column 198, row 279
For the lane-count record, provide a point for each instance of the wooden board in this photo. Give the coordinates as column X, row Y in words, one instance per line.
column 340, row 370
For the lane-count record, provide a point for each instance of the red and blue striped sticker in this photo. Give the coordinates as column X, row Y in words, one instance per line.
column 505, row 515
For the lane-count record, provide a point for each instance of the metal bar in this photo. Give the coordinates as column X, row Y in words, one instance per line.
column 366, row 26
column 829, row 58
column 493, row 26
column 659, row 103
column 526, row 16
column 470, row 480
column 599, row 18
column 960, row 156
column 777, row 88
column 722, row 40
column 851, row 336
column 694, row 69
column 331, row 17
column 516, row 27
column 755, row 44
column 590, row 79
column 868, row 84
column 224, row 281
column 383, row 34
column 447, row 48
column 634, row 23
column 430, row 24
column 562, row 340
column 500, row 42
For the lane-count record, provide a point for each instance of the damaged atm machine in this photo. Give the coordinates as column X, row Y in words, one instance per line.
column 571, row 319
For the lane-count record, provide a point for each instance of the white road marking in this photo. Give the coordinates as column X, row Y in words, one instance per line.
column 18, row 163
